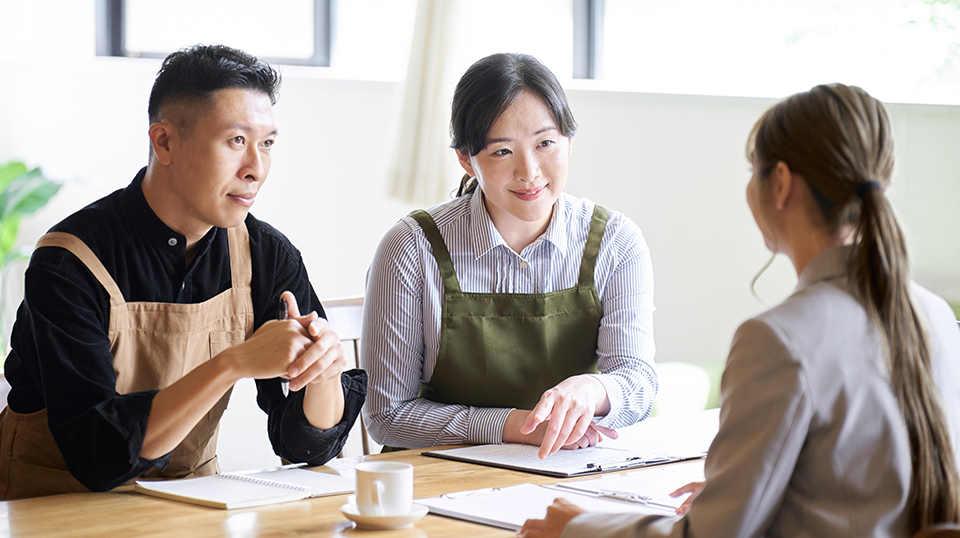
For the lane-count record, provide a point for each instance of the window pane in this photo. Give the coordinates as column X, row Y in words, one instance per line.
column 277, row 29
column 373, row 37
column 542, row 29
column 899, row 50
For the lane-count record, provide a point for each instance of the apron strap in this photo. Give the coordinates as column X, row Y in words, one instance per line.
column 591, row 249
column 440, row 252
column 79, row 249
column 241, row 271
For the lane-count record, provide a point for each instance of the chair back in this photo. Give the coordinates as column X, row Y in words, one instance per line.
column 942, row 530
column 345, row 317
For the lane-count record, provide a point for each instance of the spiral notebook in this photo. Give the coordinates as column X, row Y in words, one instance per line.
column 246, row 489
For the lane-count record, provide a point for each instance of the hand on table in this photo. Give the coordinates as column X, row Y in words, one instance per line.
column 559, row 515
column 694, row 489
column 568, row 410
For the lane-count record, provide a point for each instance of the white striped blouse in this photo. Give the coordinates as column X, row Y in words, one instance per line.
column 401, row 320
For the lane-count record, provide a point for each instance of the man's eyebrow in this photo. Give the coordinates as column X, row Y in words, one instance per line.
column 508, row 139
column 247, row 128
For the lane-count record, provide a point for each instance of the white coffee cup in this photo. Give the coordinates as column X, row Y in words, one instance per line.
column 384, row 488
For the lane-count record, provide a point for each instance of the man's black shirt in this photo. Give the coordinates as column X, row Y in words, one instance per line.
column 61, row 360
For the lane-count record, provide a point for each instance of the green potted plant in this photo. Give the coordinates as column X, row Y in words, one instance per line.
column 22, row 192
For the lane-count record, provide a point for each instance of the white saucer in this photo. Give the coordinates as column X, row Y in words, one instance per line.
column 351, row 512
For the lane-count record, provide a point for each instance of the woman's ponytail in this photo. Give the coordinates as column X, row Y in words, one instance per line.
column 838, row 139
column 879, row 266
column 468, row 184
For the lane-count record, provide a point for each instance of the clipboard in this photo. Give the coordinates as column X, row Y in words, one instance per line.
column 646, row 492
column 509, row 507
column 563, row 464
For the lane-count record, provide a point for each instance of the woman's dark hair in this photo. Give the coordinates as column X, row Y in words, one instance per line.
column 838, row 139
column 488, row 88
column 190, row 76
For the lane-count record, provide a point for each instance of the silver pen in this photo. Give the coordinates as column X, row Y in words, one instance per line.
column 282, row 315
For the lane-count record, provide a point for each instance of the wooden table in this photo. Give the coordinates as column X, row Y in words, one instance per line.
column 126, row 513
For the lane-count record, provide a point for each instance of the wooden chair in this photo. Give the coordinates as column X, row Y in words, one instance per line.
column 943, row 530
column 345, row 316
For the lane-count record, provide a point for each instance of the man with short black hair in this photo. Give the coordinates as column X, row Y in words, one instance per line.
column 143, row 309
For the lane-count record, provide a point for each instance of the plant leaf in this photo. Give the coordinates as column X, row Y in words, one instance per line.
column 8, row 235
column 26, row 194
column 11, row 171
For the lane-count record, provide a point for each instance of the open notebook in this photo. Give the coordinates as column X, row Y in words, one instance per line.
column 246, row 489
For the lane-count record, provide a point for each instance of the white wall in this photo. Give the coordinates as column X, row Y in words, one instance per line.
column 674, row 164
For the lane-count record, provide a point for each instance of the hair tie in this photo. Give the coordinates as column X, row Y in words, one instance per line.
column 866, row 187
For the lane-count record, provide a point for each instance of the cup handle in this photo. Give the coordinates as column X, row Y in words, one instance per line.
column 378, row 489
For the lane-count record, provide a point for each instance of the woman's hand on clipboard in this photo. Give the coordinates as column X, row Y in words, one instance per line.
column 563, row 418
column 558, row 516
column 694, row 489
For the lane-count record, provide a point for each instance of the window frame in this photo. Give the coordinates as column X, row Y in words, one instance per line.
column 111, row 29
column 588, row 39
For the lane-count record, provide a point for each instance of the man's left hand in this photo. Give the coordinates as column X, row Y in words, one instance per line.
column 324, row 360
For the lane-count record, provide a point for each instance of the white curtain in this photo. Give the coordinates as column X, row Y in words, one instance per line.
column 424, row 170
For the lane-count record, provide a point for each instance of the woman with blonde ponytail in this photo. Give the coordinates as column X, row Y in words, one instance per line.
column 840, row 407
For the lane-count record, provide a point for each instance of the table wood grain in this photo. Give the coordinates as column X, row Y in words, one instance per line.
column 122, row 512
column 126, row 513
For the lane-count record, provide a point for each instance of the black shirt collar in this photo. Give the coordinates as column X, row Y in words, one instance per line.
column 151, row 228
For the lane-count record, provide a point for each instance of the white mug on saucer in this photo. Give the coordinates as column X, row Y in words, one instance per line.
column 384, row 488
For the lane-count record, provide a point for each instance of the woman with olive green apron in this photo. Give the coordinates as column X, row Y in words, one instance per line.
column 507, row 349
column 154, row 345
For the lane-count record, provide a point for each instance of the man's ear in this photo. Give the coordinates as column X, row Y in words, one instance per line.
column 465, row 163
column 162, row 135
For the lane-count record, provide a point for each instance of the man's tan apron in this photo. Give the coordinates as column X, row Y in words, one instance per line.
column 153, row 345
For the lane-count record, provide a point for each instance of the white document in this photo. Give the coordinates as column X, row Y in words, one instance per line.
column 685, row 434
column 653, row 485
column 564, row 463
column 508, row 508
column 246, row 489
column 654, row 441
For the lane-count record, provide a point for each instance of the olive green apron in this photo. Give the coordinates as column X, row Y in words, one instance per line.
column 507, row 349
column 154, row 345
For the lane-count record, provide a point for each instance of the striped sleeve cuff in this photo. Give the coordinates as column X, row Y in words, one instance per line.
column 485, row 425
column 615, row 395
